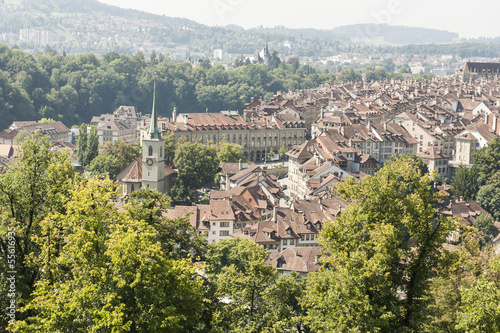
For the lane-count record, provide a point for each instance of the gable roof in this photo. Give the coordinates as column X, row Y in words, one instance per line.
column 298, row 259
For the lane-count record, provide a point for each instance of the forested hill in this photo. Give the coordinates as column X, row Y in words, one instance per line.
column 90, row 26
column 75, row 88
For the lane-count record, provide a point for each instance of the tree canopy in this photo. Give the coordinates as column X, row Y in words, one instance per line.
column 74, row 88
column 196, row 165
column 487, row 160
column 382, row 251
column 465, row 183
column 109, row 273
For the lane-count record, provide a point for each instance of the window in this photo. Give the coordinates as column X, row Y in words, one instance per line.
column 285, row 242
column 224, row 224
column 292, row 241
column 224, row 232
column 150, row 151
column 161, row 152
column 132, row 187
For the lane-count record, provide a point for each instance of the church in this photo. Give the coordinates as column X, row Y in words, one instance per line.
column 150, row 169
column 478, row 70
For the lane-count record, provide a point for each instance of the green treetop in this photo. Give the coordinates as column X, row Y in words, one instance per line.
column 382, row 251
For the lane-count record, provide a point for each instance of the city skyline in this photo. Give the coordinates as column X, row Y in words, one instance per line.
column 317, row 14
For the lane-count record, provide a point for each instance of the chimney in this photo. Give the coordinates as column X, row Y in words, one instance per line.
column 174, row 115
column 274, row 214
column 385, row 126
column 239, row 165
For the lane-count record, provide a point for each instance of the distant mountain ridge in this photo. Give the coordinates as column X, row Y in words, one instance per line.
column 399, row 35
column 92, row 26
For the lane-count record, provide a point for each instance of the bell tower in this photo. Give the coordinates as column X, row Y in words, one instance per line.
column 153, row 151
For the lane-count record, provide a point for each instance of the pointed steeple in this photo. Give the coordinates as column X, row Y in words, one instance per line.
column 153, row 131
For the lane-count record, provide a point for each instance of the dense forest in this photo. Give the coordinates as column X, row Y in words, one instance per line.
column 75, row 88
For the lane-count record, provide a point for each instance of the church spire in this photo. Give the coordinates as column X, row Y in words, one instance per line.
column 153, row 131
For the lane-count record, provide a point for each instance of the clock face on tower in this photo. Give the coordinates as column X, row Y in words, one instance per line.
column 149, row 161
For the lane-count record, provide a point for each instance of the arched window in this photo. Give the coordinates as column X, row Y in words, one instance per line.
column 161, row 152
column 150, row 151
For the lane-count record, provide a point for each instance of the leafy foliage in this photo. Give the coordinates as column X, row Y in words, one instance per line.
column 488, row 197
column 465, row 183
column 177, row 237
column 92, row 148
column 114, row 157
column 81, row 144
column 110, row 274
column 480, row 309
column 487, row 160
column 239, row 269
column 73, row 89
column 484, row 225
column 197, row 165
column 387, row 242
column 35, row 187
column 229, row 152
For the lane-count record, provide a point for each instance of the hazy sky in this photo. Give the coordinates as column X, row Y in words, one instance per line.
column 476, row 19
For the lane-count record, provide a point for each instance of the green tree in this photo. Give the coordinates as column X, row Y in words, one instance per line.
column 111, row 274
column 239, row 271
column 81, row 144
column 31, row 189
column 20, row 137
column 422, row 167
column 387, row 242
column 271, row 154
column 480, row 309
column 465, row 183
column 484, row 224
column 488, row 197
column 177, row 237
column 486, row 159
column 170, row 145
column 463, row 264
column 350, row 75
column 125, row 152
column 109, row 164
column 196, row 164
column 92, row 148
column 233, row 251
column 229, row 152
column 282, row 151
column 46, row 120
column 283, row 311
